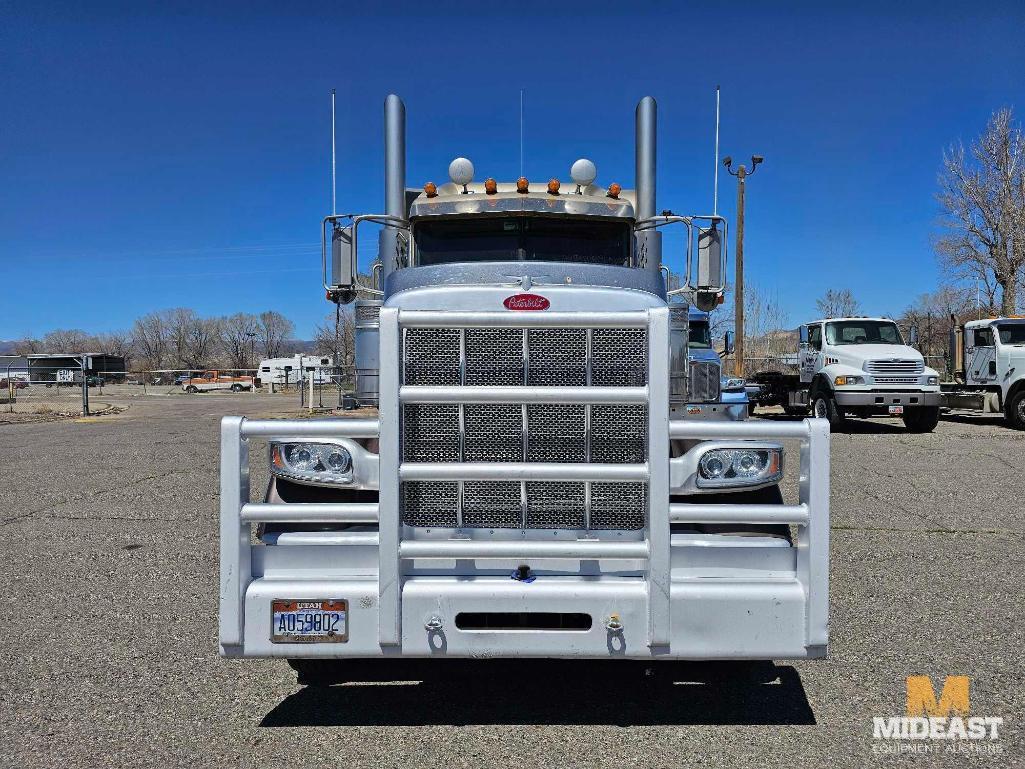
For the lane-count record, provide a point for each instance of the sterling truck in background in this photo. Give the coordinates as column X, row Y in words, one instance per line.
column 533, row 483
column 855, row 367
column 988, row 368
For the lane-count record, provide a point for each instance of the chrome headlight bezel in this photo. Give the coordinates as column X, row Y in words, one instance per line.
column 932, row 381
column 335, row 463
column 732, row 384
column 744, row 466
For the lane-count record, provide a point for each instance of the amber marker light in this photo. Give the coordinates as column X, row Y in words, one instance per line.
column 490, row 186
column 614, row 190
column 553, row 187
column 522, row 185
column 431, row 190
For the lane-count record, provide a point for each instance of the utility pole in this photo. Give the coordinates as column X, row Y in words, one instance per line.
column 738, row 284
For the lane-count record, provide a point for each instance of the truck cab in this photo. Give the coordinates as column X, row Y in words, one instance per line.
column 988, row 362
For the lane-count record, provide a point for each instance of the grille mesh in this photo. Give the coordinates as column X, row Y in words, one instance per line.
column 430, row 503
column 555, row 505
column 896, row 367
column 618, row 505
column 602, row 433
column 619, row 357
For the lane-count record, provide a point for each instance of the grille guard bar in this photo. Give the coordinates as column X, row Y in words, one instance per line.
column 237, row 513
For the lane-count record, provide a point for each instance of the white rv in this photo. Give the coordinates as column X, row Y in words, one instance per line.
column 289, row 371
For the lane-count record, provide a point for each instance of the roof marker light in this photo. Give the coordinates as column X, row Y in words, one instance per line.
column 490, row 186
column 614, row 190
column 522, row 185
column 431, row 190
column 553, row 187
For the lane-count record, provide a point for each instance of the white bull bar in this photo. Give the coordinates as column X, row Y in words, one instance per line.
column 237, row 513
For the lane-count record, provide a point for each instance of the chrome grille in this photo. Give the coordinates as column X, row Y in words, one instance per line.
column 467, row 432
column 896, row 380
column 704, row 382
column 895, row 367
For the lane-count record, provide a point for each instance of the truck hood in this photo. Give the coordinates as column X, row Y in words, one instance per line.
column 858, row 354
column 703, row 356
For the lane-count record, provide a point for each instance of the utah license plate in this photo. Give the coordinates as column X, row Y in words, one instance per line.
column 896, row 410
column 309, row 622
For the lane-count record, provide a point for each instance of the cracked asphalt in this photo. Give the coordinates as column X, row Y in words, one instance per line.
column 108, row 642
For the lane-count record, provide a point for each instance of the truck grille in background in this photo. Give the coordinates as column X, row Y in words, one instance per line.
column 704, row 382
column 895, row 367
column 896, row 380
column 605, row 433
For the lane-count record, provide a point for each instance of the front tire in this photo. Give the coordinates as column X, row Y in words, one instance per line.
column 1016, row 410
column 921, row 419
column 823, row 406
column 236, row 388
column 192, row 389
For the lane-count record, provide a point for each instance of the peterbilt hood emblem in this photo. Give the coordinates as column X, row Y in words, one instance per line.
column 526, row 302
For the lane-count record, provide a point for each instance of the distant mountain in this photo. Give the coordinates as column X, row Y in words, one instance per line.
column 7, row 346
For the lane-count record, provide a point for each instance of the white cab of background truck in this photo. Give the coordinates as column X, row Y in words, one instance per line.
column 523, row 489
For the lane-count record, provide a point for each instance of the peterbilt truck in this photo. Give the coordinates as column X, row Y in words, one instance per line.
column 525, row 488
column 856, row 366
column 988, row 368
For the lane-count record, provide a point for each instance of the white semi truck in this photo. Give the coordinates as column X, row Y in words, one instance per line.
column 855, row 367
column 532, row 484
column 988, row 367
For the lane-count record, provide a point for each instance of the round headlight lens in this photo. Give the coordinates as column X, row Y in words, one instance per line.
column 302, row 457
column 714, row 464
column 339, row 461
column 747, row 464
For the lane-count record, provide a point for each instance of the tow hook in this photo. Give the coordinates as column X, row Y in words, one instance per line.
column 523, row 574
column 434, row 624
column 614, row 624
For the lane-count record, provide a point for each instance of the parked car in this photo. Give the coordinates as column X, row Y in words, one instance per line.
column 216, row 380
column 18, row 384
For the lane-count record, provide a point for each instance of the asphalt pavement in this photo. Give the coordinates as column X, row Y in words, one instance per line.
column 108, row 637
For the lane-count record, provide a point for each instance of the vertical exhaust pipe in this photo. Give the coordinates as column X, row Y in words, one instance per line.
column 646, row 119
column 395, row 157
column 390, row 248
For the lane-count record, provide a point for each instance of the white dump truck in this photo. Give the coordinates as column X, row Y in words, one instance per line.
column 528, row 486
column 855, row 367
column 988, row 367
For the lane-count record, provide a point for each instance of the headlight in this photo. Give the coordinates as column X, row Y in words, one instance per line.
column 324, row 463
column 849, row 380
column 740, row 467
column 933, row 380
column 732, row 383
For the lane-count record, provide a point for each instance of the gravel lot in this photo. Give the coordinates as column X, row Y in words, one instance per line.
column 111, row 524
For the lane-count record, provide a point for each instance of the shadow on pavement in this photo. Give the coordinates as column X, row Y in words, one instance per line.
column 557, row 692
column 852, row 425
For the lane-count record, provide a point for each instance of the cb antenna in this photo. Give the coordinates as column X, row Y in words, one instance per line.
column 334, row 185
column 521, row 132
column 715, row 182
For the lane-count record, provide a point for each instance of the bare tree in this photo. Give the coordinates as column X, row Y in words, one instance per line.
column 150, row 338
column 982, row 194
column 837, row 303
column 67, row 340
column 238, row 335
column 202, row 340
column 932, row 314
column 180, row 323
column 118, row 343
column 325, row 336
column 273, row 333
column 28, row 346
column 766, row 334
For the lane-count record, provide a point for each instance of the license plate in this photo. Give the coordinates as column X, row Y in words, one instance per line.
column 309, row 622
column 896, row 410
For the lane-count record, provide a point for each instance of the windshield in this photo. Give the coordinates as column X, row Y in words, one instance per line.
column 700, row 336
column 1011, row 333
column 522, row 239
column 863, row 332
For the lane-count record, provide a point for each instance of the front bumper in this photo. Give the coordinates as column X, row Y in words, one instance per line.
column 730, row 412
column 743, row 595
column 884, row 398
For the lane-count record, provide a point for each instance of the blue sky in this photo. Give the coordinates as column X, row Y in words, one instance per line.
column 171, row 155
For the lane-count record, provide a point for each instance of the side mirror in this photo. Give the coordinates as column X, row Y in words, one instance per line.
column 728, row 344
column 913, row 336
column 804, row 336
column 710, row 259
column 343, row 264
